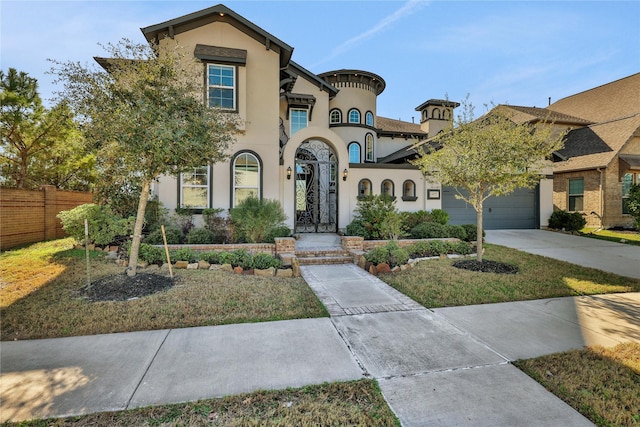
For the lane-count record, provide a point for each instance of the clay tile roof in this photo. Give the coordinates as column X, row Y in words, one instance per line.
column 386, row 125
column 614, row 134
column 620, row 98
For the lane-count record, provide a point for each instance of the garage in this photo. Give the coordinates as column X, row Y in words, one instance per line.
column 518, row 210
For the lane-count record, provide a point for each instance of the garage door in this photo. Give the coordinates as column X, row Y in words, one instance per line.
column 517, row 210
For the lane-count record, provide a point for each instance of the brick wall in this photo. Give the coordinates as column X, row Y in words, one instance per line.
column 29, row 216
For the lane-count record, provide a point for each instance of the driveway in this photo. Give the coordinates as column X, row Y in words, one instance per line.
column 613, row 257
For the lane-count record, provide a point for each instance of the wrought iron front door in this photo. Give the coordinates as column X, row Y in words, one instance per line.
column 316, row 188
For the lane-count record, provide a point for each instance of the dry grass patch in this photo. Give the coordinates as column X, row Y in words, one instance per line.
column 436, row 283
column 56, row 308
column 337, row 404
column 603, row 384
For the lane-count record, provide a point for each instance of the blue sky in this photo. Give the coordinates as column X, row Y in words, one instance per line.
column 512, row 52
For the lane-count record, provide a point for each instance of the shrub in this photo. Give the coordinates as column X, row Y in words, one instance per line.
column 427, row 249
column 411, row 219
column 210, row 257
column 429, row 230
column 104, row 226
column 462, row 248
column 183, row 254
column 183, row 219
column 243, row 259
column 254, row 218
column 390, row 253
column 391, row 226
column 440, row 216
column 228, row 258
column 220, row 226
column 632, row 203
column 263, row 261
column 199, row 236
column 154, row 215
column 375, row 214
column 456, row 231
column 377, row 255
column 569, row 221
column 151, row 254
column 356, row 228
column 279, row 231
column 472, row 232
column 174, row 236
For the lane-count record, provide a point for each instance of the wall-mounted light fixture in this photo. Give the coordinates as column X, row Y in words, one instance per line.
column 289, row 172
column 345, row 174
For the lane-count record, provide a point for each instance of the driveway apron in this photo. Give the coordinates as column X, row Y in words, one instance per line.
column 430, row 371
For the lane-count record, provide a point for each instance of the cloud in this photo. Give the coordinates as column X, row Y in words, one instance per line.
column 407, row 9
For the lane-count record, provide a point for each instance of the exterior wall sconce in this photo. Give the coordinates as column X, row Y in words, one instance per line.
column 289, row 172
column 345, row 174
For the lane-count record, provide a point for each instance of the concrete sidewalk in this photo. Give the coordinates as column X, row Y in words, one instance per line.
column 603, row 255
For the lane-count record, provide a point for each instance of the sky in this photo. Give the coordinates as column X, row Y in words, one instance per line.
column 494, row 52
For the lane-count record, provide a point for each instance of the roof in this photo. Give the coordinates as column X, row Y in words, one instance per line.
column 297, row 69
column 218, row 13
column 614, row 134
column 620, row 98
column 534, row 114
column 387, row 125
column 346, row 78
column 439, row 103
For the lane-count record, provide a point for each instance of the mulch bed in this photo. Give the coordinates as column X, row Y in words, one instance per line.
column 486, row 266
column 120, row 287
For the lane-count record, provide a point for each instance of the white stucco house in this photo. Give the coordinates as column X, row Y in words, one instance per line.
column 314, row 142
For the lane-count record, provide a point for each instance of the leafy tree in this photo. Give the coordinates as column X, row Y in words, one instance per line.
column 633, row 204
column 39, row 145
column 146, row 116
column 491, row 156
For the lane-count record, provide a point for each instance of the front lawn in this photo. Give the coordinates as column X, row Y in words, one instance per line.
column 357, row 403
column 436, row 283
column 620, row 236
column 40, row 297
column 602, row 384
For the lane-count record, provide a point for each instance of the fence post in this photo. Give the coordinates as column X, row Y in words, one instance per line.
column 50, row 211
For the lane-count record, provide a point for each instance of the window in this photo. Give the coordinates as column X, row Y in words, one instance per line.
column 335, row 116
column 369, row 118
column 627, row 182
column 368, row 148
column 386, row 188
column 221, row 86
column 298, row 120
column 364, row 188
column 576, row 194
column 194, row 188
column 246, row 177
column 354, row 152
column 354, row 116
column 409, row 191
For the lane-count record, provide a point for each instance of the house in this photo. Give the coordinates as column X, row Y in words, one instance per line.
column 314, row 142
column 600, row 161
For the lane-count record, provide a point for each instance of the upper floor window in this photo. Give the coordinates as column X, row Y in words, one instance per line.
column 368, row 148
column 335, row 116
column 354, row 152
column 298, row 120
column 576, row 194
column 369, row 118
column 246, row 177
column 354, row 116
column 221, row 89
column 387, row 188
column 194, row 188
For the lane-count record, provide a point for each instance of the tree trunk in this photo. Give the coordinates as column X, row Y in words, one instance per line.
column 479, row 226
column 137, row 229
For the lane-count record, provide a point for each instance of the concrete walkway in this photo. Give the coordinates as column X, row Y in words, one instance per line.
column 439, row 367
column 613, row 257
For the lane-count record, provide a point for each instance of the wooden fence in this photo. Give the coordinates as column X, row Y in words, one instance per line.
column 29, row 216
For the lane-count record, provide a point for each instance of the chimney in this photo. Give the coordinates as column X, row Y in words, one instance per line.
column 549, row 100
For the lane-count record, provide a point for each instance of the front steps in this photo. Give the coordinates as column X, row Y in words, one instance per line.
column 324, row 256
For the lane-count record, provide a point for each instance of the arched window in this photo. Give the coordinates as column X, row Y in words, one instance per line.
column 335, row 116
column 354, row 152
column 368, row 148
column 409, row 191
column 354, row 116
column 387, row 188
column 364, row 188
column 369, row 118
column 246, row 177
column 446, row 115
column 435, row 114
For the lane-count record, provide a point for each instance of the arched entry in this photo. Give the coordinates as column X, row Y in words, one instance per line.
column 316, row 188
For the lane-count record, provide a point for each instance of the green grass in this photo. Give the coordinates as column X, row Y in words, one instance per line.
column 336, row 404
column 41, row 299
column 437, row 283
column 628, row 237
column 602, row 384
